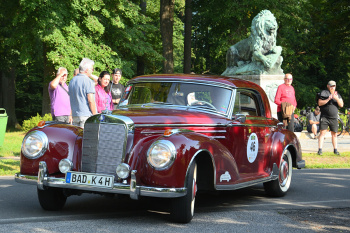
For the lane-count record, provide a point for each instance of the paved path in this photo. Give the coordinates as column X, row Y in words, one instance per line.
column 309, row 145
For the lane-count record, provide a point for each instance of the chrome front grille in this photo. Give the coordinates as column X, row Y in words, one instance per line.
column 103, row 147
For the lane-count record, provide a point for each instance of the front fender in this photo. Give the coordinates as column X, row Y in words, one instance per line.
column 64, row 142
column 188, row 146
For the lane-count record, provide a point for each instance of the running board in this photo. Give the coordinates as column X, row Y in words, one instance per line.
column 274, row 175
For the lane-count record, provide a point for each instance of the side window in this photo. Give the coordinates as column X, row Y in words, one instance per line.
column 246, row 103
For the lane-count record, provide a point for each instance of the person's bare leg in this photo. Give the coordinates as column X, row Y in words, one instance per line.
column 314, row 129
column 321, row 140
column 334, row 141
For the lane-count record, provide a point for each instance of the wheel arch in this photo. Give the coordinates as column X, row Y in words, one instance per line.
column 293, row 152
column 205, row 170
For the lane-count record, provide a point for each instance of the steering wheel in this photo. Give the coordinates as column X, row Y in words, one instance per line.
column 201, row 103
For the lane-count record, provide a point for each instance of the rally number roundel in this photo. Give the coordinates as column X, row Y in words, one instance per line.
column 252, row 147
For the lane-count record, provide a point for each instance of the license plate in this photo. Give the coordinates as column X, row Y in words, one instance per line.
column 102, row 181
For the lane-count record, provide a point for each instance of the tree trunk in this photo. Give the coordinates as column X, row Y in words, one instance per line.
column 7, row 100
column 48, row 73
column 188, row 34
column 140, row 70
column 166, row 30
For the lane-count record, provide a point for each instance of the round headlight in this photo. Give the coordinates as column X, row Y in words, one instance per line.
column 34, row 144
column 161, row 154
column 123, row 170
column 65, row 165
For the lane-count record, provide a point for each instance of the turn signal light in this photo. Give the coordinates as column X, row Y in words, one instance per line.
column 41, row 124
column 168, row 132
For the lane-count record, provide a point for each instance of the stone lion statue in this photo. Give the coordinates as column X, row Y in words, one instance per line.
column 258, row 54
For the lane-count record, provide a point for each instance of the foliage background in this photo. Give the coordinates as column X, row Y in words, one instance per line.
column 38, row 36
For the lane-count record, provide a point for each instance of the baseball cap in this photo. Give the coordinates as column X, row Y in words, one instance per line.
column 116, row 70
column 331, row 83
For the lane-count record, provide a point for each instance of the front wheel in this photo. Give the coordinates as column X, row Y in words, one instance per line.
column 52, row 198
column 183, row 207
column 280, row 186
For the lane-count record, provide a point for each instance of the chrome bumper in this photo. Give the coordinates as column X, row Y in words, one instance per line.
column 132, row 189
column 301, row 164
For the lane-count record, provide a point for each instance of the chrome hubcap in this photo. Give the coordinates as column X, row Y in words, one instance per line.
column 284, row 171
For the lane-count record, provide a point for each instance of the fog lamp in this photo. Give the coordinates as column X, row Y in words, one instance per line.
column 123, row 170
column 65, row 165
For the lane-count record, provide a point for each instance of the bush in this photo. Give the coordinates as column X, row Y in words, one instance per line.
column 33, row 121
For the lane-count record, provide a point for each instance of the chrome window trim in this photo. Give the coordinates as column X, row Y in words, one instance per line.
column 232, row 88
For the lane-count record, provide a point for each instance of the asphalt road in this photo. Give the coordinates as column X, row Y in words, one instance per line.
column 318, row 201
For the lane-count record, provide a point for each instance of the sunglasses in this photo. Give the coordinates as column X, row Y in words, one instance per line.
column 288, row 79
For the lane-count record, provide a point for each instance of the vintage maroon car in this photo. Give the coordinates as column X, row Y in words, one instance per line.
column 171, row 136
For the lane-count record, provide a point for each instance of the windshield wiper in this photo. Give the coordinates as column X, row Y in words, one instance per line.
column 157, row 103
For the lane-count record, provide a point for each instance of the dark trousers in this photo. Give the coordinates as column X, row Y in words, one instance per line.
column 290, row 125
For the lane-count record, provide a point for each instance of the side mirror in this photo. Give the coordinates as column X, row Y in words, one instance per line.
column 280, row 125
column 240, row 117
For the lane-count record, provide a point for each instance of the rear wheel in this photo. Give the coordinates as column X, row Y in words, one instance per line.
column 340, row 126
column 52, row 198
column 280, row 186
column 183, row 207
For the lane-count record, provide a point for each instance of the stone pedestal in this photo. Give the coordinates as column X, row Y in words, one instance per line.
column 269, row 83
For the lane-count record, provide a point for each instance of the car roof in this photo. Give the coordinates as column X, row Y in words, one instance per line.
column 231, row 81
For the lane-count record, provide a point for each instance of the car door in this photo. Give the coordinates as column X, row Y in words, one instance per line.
column 248, row 135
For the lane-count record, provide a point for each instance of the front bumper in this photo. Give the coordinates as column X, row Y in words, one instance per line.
column 132, row 189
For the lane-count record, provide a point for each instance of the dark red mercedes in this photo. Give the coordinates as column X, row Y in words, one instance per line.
column 171, row 136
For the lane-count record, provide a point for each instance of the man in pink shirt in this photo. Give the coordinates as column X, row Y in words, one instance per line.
column 60, row 103
column 286, row 93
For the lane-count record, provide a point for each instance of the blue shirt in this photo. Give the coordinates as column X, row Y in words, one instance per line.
column 79, row 87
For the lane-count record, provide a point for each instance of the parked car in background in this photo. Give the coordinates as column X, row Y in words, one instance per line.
column 171, row 136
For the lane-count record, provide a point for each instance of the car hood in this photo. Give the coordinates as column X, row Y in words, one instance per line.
column 160, row 116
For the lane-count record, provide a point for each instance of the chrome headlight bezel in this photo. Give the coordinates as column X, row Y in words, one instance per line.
column 65, row 165
column 123, row 170
column 157, row 150
column 42, row 142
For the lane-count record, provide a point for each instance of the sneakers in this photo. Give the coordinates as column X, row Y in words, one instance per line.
column 336, row 152
column 319, row 152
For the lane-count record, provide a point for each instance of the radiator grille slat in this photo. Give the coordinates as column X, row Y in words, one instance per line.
column 103, row 147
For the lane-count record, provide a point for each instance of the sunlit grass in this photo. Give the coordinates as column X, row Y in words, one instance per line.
column 327, row 160
column 8, row 167
column 12, row 144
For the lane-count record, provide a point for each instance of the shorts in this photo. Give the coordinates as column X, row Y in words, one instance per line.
column 308, row 127
column 80, row 120
column 62, row 118
column 331, row 122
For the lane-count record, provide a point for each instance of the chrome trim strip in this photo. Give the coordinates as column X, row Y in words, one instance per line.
column 118, row 188
column 273, row 176
column 179, row 125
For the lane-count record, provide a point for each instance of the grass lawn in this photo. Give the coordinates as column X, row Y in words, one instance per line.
column 10, row 148
column 327, row 160
column 13, row 141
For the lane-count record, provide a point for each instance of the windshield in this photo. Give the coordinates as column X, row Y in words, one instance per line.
column 196, row 96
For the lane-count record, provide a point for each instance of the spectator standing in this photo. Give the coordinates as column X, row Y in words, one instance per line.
column 329, row 101
column 117, row 88
column 82, row 93
column 58, row 91
column 103, row 95
column 313, row 122
column 76, row 71
column 285, row 93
